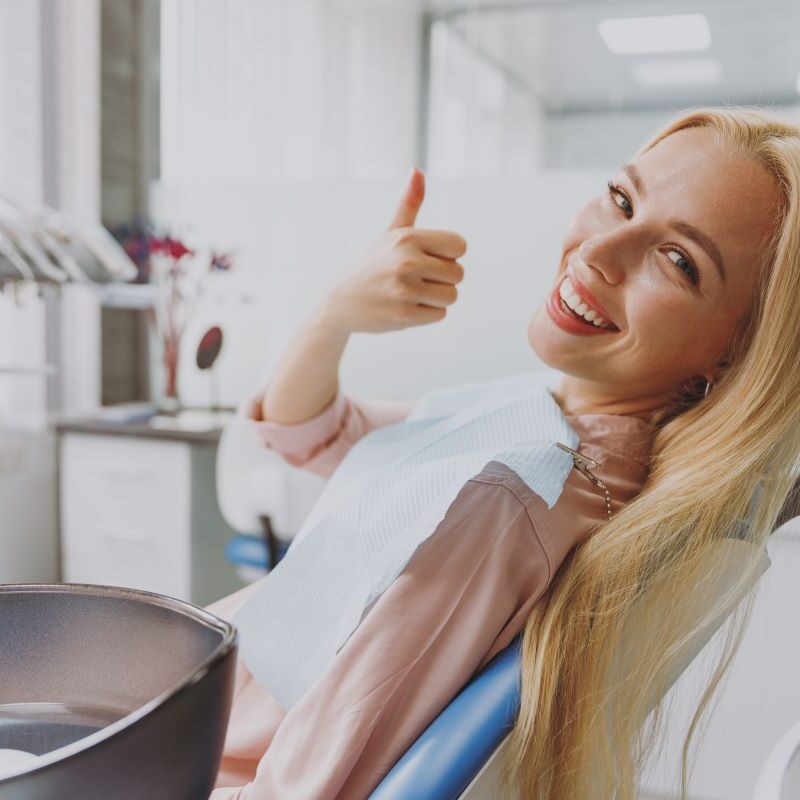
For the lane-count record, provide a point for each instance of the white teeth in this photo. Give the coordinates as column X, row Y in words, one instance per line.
column 573, row 300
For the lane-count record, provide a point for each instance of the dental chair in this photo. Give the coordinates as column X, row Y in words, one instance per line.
column 458, row 756
column 261, row 496
column 779, row 778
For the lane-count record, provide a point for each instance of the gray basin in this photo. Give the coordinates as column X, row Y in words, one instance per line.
column 118, row 693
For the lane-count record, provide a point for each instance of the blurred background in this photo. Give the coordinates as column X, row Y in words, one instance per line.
column 181, row 181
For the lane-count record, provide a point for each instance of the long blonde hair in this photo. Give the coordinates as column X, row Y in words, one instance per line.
column 717, row 461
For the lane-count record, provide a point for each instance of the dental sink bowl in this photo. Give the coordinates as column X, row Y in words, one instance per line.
column 111, row 693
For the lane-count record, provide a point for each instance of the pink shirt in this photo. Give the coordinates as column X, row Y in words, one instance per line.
column 462, row 598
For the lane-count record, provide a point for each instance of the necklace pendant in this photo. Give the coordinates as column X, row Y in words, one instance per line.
column 582, row 464
column 579, row 458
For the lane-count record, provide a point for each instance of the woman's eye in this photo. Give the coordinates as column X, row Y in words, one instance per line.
column 684, row 263
column 615, row 192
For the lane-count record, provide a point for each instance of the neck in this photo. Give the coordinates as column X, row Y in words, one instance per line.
column 577, row 396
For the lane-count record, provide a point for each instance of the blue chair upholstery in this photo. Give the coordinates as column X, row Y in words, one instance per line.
column 249, row 550
column 456, row 745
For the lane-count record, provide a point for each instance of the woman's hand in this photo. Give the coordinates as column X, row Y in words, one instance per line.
column 407, row 278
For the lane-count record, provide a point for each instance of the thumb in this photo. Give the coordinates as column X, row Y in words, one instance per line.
column 411, row 200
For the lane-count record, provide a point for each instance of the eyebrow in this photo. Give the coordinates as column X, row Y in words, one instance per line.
column 688, row 230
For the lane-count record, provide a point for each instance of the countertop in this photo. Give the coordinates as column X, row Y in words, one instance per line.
column 195, row 426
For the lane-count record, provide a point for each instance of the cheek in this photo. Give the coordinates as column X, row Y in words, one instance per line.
column 677, row 335
column 663, row 313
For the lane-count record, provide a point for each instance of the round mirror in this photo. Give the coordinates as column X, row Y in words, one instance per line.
column 209, row 347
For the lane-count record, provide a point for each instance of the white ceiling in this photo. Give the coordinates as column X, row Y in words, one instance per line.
column 553, row 50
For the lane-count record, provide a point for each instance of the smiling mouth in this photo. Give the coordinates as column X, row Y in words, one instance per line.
column 566, row 286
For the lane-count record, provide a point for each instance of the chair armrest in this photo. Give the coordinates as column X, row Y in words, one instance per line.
column 455, row 746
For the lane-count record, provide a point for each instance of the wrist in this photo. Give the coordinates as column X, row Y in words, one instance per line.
column 325, row 318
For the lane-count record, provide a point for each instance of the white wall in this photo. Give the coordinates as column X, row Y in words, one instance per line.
column 479, row 122
column 20, row 110
column 21, row 144
column 574, row 141
column 296, row 240
column 50, row 153
column 255, row 91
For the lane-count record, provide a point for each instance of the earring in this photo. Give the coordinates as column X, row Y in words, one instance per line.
column 708, row 386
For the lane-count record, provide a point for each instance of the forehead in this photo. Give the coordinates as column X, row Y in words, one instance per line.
column 727, row 194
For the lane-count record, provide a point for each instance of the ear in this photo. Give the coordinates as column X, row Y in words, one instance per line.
column 718, row 371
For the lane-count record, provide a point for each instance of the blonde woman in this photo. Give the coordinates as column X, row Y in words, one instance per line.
column 679, row 344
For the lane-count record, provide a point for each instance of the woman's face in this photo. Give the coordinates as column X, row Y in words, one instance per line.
column 672, row 256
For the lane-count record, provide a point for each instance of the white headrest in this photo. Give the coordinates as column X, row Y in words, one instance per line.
column 253, row 480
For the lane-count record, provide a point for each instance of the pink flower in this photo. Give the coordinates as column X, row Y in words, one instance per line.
column 172, row 247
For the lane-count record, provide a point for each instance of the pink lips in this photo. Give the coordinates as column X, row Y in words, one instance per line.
column 588, row 297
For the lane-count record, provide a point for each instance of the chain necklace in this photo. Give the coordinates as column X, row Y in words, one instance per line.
column 582, row 464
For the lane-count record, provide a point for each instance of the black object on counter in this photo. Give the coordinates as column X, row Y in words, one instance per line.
column 122, row 693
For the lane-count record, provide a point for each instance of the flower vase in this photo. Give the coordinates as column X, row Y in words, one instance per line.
column 170, row 400
column 173, row 307
column 178, row 274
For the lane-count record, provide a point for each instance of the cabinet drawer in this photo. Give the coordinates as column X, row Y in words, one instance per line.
column 125, row 512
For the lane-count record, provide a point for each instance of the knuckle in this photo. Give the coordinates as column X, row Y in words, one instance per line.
column 386, row 240
column 404, row 235
column 392, row 238
column 405, row 266
column 402, row 288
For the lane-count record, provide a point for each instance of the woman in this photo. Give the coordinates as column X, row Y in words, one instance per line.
column 685, row 391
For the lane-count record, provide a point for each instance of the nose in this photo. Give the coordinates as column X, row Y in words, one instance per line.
column 609, row 253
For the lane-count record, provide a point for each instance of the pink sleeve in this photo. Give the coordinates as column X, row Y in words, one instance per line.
column 465, row 593
column 320, row 443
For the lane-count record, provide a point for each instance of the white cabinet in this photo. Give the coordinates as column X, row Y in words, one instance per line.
column 142, row 512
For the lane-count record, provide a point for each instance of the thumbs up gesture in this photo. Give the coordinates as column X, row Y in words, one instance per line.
column 406, row 278
column 413, row 195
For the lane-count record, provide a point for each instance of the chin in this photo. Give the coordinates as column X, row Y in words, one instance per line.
column 546, row 342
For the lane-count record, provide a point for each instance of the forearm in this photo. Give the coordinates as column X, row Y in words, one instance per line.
column 307, row 376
